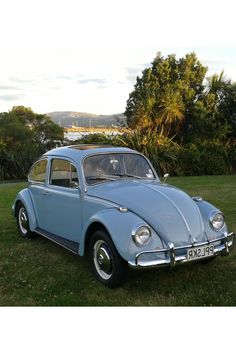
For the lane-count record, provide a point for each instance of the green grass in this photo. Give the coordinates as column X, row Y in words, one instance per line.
column 38, row 272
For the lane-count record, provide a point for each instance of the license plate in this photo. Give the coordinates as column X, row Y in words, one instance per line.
column 200, row 252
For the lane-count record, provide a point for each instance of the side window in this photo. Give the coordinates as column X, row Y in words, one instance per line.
column 63, row 174
column 38, row 171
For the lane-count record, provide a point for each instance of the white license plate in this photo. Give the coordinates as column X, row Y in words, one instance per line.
column 200, row 252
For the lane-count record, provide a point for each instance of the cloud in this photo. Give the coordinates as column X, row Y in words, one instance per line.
column 10, row 97
column 133, row 72
column 21, row 81
column 100, row 82
column 8, row 87
column 68, row 77
column 214, row 64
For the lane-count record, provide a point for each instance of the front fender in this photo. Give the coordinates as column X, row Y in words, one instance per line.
column 120, row 226
column 206, row 209
column 25, row 198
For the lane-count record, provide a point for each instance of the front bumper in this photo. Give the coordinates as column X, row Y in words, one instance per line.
column 172, row 256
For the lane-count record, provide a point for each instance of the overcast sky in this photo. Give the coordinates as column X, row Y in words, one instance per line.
column 104, row 46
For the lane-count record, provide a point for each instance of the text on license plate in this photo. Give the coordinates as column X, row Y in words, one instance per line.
column 200, row 252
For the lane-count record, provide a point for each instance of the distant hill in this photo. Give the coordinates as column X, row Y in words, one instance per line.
column 81, row 119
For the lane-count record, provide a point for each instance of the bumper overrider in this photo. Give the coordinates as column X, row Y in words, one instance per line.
column 172, row 256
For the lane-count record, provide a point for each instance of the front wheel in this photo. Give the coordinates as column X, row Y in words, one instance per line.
column 105, row 262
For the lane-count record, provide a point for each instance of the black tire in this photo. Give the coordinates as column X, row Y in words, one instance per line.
column 22, row 221
column 104, row 260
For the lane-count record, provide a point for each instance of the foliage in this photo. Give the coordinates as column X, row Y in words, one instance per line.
column 227, row 109
column 212, row 116
column 204, row 122
column 164, row 93
column 202, row 157
column 232, row 157
column 24, row 136
column 98, row 138
column 173, row 97
column 159, row 149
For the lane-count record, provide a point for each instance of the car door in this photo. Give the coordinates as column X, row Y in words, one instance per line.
column 58, row 205
column 37, row 180
column 62, row 201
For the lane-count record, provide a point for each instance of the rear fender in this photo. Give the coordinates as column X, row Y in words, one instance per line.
column 25, row 198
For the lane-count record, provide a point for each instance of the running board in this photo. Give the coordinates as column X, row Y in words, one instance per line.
column 61, row 241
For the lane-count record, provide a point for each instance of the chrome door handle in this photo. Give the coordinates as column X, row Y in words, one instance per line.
column 46, row 193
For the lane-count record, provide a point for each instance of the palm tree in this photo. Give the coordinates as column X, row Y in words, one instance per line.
column 170, row 110
column 216, row 85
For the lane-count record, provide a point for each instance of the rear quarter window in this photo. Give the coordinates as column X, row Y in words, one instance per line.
column 38, row 171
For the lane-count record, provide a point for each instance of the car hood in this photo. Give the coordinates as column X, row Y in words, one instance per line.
column 168, row 210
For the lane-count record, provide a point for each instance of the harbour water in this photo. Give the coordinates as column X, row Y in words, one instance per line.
column 78, row 135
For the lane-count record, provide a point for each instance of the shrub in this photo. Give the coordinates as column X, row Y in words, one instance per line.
column 98, row 138
column 205, row 158
column 200, row 158
column 161, row 151
column 232, row 157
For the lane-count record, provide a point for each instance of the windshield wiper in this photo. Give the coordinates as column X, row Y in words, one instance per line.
column 118, row 174
column 133, row 176
column 114, row 175
column 100, row 178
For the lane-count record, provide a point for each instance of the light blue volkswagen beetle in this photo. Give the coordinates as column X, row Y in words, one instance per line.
column 109, row 203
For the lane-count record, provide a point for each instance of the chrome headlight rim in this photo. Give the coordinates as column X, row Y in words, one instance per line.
column 213, row 216
column 138, row 240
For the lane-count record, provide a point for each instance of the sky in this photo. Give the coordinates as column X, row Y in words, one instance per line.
column 87, row 80
column 85, row 55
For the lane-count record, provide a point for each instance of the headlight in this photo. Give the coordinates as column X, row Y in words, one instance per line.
column 142, row 236
column 217, row 221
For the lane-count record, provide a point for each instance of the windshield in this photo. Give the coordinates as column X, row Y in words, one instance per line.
column 110, row 167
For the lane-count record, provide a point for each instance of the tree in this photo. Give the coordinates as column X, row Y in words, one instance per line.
column 165, row 92
column 171, row 111
column 217, row 84
column 227, row 109
column 45, row 133
column 25, row 136
column 213, row 115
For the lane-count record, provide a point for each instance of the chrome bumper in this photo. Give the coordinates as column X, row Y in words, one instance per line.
column 171, row 259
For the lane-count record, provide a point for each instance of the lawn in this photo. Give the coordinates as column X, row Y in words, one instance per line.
column 38, row 272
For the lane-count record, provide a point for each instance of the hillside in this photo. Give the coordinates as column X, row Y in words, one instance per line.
column 82, row 119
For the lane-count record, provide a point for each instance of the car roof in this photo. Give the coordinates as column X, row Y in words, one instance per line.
column 80, row 151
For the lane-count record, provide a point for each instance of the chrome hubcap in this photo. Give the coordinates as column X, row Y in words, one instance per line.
column 23, row 221
column 102, row 260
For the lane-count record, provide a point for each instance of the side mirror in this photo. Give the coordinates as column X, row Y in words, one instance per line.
column 166, row 175
column 74, row 185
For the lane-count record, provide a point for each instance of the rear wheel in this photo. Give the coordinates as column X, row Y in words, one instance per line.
column 23, row 222
column 105, row 262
